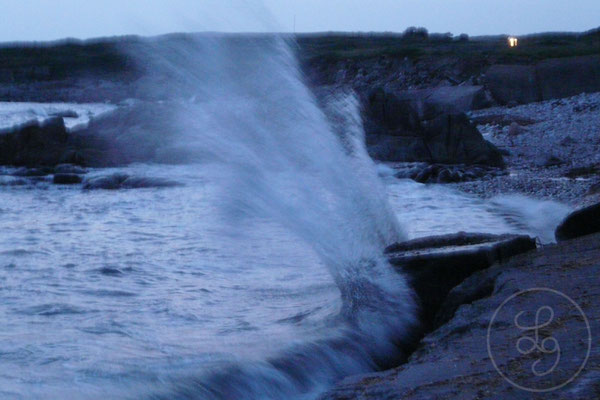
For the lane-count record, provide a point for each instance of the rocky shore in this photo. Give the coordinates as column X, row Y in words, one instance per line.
column 474, row 353
column 467, row 113
column 552, row 149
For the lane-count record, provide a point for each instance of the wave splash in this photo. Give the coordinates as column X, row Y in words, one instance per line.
column 240, row 107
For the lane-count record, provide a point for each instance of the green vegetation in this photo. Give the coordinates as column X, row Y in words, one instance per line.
column 62, row 60
column 103, row 58
column 531, row 48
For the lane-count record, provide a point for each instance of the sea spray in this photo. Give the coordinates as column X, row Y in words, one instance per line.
column 241, row 106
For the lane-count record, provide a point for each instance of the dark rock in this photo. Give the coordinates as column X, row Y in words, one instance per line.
column 565, row 77
column 398, row 148
column 72, row 156
column 34, row 144
column 412, row 126
column 553, row 161
column 408, row 170
column 452, row 139
column 582, row 172
column 425, row 174
column 436, row 264
column 388, row 114
column 123, row 181
column 549, row 79
column 455, row 361
column 440, row 173
column 504, row 152
column 512, row 83
column 580, row 223
column 66, row 179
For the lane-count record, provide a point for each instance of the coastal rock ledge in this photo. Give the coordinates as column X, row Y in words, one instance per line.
column 539, row 306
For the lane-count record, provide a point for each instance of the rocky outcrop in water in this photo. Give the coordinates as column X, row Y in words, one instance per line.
column 444, row 173
column 436, row 264
column 66, row 179
column 488, row 346
column 35, row 144
column 580, row 223
column 398, row 131
column 124, row 181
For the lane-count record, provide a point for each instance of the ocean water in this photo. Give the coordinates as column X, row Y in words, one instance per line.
column 261, row 276
column 144, row 293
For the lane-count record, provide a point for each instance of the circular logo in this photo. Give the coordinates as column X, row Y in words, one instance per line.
column 539, row 340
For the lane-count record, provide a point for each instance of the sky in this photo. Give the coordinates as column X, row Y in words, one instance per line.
column 40, row 20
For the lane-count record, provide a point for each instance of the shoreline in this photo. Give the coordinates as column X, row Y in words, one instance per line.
column 554, row 154
column 420, row 101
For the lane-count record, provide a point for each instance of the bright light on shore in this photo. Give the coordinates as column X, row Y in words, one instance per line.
column 513, row 41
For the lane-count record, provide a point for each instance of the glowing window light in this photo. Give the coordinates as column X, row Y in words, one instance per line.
column 513, row 41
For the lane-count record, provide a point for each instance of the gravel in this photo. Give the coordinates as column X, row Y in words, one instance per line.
column 545, row 142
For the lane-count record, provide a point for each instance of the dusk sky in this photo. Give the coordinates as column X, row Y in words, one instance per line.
column 54, row 19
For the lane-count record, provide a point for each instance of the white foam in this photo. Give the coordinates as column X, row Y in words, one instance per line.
column 14, row 114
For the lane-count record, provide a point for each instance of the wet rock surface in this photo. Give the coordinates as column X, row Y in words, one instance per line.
column 436, row 264
column 444, row 173
column 457, row 359
column 66, row 179
column 34, row 144
column 402, row 130
column 580, row 223
column 123, row 181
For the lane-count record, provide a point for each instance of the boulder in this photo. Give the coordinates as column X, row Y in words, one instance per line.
column 402, row 111
column 397, row 130
column 552, row 161
column 436, row 264
column 566, row 77
column 549, row 79
column 386, row 113
column 66, row 179
column 583, row 171
column 34, row 144
column 509, row 83
column 442, row 173
column 124, row 181
column 398, row 148
column 580, row 223
column 453, row 139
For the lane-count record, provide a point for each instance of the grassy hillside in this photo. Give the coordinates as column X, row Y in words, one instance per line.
column 531, row 48
column 24, row 63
